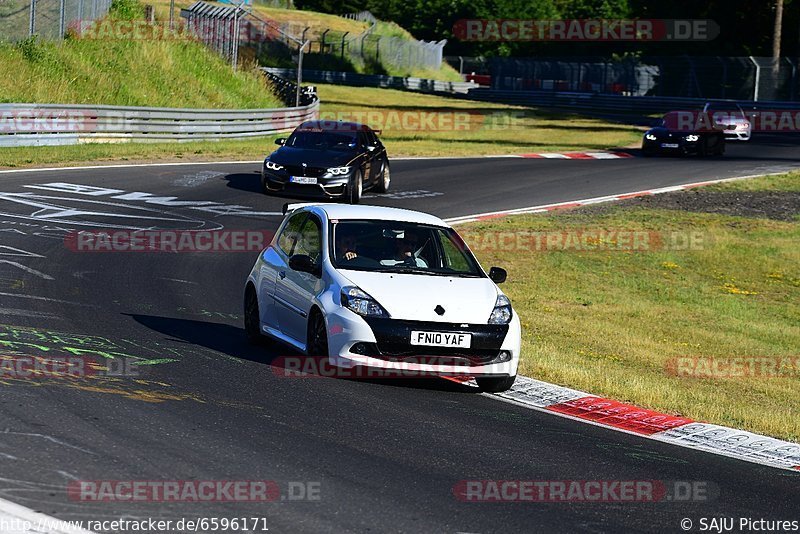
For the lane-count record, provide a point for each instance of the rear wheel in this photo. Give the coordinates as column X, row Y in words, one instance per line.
column 495, row 384
column 317, row 343
column 385, row 178
column 252, row 318
column 355, row 188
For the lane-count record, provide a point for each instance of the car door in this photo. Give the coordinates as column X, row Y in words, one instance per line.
column 366, row 154
column 294, row 291
column 275, row 260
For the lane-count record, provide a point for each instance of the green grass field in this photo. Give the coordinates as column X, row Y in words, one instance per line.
column 613, row 322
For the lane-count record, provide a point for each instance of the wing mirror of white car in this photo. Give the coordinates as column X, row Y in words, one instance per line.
column 498, row 275
column 303, row 264
column 280, row 141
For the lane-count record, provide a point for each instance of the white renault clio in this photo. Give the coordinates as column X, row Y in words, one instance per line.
column 383, row 288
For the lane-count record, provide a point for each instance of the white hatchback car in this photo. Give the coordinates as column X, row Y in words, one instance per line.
column 383, row 288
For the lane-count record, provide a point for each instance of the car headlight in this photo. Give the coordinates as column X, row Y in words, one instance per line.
column 272, row 166
column 744, row 126
column 361, row 303
column 692, row 138
column 502, row 313
column 650, row 137
column 337, row 171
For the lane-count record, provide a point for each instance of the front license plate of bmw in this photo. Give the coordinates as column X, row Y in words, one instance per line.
column 669, row 145
column 303, row 180
column 441, row 339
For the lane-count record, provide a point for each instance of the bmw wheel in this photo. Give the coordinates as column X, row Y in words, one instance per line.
column 385, row 179
column 354, row 188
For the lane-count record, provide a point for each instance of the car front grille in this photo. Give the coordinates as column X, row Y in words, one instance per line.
column 299, row 170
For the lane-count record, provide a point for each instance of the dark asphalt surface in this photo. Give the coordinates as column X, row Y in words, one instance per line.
column 386, row 455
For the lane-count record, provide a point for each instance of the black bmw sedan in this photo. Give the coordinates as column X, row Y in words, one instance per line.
column 685, row 133
column 328, row 159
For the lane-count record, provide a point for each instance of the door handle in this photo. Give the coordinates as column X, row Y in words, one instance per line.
column 282, row 274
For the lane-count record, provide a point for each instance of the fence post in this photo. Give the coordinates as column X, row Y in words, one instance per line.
column 378, row 50
column 62, row 8
column 758, row 78
column 322, row 42
column 343, row 37
column 32, row 21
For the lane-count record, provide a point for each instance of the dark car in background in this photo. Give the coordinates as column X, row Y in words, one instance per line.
column 683, row 133
column 328, row 159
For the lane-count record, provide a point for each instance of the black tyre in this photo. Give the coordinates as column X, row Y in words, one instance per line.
column 355, row 188
column 385, row 178
column 317, row 343
column 252, row 317
column 495, row 384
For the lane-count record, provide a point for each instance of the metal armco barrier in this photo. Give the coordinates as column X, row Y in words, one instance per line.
column 64, row 124
column 376, row 80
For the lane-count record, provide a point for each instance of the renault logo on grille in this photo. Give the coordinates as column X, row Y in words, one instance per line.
column 439, row 310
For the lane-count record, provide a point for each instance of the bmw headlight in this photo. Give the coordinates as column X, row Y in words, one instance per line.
column 361, row 303
column 338, row 171
column 502, row 313
column 272, row 166
column 692, row 138
column 650, row 137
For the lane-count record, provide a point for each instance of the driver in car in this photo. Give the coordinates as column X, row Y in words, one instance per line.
column 406, row 251
column 346, row 247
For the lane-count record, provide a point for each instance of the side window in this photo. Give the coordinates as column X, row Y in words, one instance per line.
column 310, row 239
column 288, row 238
column 371, row 139
column 453, row 257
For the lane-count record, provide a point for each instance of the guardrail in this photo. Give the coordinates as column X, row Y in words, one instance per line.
column 612, row 103
column 376, row 80
column 59, row 124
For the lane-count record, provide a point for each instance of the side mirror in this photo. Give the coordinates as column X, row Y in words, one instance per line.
column 280, row 141
column 371, row 148
column 303, row 264
column 498, row 275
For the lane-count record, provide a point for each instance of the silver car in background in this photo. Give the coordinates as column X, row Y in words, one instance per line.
column 738, row 126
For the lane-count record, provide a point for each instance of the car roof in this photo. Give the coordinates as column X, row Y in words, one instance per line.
column 365, row 212
column 334, row 126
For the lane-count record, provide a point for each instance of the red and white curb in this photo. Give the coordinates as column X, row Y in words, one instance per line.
column 580, row 406
column 544, row 208
column 579, row 155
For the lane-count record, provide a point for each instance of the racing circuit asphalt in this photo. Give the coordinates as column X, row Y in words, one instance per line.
column 387, row 453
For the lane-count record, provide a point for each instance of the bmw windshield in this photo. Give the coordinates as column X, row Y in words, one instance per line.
column 322, row 140
column 401, row 247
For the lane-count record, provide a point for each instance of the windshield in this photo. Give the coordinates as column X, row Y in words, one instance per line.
column 401, row 247
column 322, row 140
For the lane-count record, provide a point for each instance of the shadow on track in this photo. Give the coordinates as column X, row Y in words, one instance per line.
column 231, row 341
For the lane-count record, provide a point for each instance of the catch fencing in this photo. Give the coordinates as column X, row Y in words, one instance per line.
column 736, row 78
column 49, row 19
column 376, row 80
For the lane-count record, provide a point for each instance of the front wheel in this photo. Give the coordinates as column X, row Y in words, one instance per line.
column 385, row 178
column 317, row 343
column 355, row 188
column 495, row 384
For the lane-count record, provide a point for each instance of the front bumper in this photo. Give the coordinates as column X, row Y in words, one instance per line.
column 684, row 147
column 326, row 186
column 385, row 344
column 737, row 135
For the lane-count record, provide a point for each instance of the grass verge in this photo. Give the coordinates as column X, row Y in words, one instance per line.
column 493, row 129
column 615, row 323
column 463, row 127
